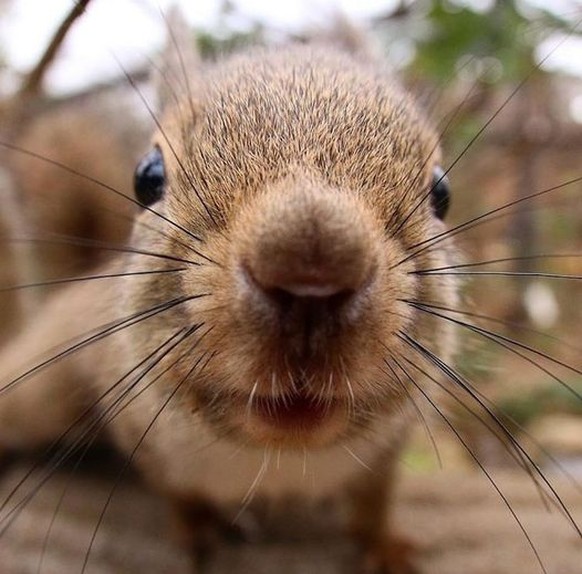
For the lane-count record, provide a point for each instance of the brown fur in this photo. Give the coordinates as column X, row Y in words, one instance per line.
column 61, row 204
column 299, row 165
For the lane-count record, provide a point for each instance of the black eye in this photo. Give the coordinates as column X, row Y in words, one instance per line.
column 439, row 192
column 149, row 179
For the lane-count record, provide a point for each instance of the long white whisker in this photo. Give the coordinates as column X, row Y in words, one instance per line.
column 356, row 457
column 251, row 399
column 248, row 497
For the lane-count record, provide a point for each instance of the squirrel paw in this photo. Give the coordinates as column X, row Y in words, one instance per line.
column 201, row 528
column 394, row 555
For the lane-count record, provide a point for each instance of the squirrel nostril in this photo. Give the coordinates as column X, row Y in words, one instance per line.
column 308, row 298
column 288, row 283
column 311, row 289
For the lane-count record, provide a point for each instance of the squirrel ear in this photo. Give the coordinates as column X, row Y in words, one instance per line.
column 344, row 34
column 176, row 76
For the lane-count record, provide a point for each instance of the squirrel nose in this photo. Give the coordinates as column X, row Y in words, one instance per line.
column 308, row 295
column 307, row 308
column 311, row 250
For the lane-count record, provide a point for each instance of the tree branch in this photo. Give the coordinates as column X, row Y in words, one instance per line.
column 31, row 86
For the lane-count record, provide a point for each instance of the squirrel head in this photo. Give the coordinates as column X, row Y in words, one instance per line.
column 305, row 175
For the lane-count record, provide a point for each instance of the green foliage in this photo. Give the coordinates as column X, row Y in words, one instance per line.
column 549, row 399
column 212, row 44
column 498, row 44
column 225, row 37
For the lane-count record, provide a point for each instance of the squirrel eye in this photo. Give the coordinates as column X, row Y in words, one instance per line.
column 440, row 192
column 149, row 179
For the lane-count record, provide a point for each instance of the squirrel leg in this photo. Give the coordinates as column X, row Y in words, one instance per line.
column 201, row 528
column 383, row 551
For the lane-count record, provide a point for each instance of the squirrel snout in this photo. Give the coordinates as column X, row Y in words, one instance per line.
column 307, row 252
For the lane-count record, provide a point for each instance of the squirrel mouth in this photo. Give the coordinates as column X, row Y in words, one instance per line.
column 299, row 419
column 297, row 412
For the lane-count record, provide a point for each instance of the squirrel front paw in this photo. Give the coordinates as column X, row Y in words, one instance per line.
column 390, row 555
column 201, row 528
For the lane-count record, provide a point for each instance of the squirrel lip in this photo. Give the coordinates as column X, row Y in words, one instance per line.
column 294, row 413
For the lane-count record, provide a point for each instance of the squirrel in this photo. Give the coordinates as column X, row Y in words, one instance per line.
column 263, row 303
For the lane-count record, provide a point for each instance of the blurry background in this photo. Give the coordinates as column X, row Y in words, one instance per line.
column 466, row 61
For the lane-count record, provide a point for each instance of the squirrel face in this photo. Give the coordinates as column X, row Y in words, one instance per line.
column 305, row 176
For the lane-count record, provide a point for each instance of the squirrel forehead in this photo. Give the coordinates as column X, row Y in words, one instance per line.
column 260, row 115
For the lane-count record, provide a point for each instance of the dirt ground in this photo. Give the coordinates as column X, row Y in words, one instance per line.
column 457, row 520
